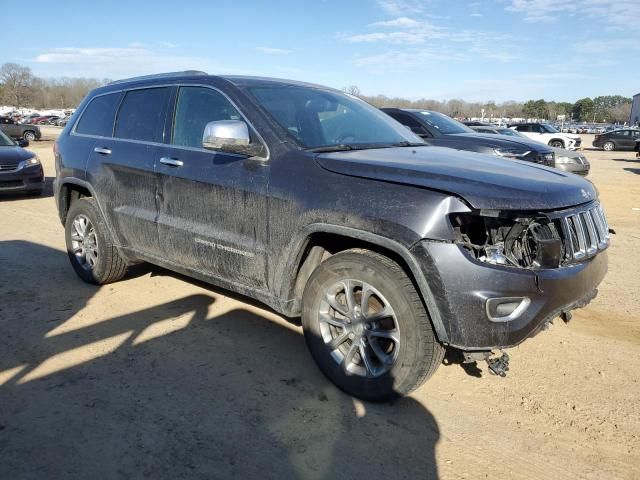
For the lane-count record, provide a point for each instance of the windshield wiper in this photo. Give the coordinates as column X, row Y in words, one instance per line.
column 406, row 143
column 342, row 147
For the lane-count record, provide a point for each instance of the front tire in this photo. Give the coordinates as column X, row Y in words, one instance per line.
column 91, row 251
column 29, row 136
column 556, row 143
column 609, row 146
column 366, row 326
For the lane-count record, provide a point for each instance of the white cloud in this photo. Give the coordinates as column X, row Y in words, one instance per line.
column 122, row 62
column 400, row 22
column 476, row 15
column 620, row 14
column 273, row 51
column 402, row 7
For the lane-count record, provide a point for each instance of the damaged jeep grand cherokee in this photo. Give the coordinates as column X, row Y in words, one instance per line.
column 321, row 206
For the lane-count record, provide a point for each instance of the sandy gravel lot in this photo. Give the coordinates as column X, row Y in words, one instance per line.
column 158, row 376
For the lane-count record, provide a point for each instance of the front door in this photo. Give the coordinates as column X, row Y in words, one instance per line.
column 213, row 206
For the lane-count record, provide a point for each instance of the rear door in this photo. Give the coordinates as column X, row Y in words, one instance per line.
column 122, row 168
column 213, row 206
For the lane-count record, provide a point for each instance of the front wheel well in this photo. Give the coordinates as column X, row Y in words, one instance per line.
column 321, row 246
column 69, row 193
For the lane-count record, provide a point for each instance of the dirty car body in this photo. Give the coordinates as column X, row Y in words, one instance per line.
column 495, row 248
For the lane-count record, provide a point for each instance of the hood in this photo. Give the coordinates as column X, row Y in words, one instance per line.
column 501, row 141
column 484, row 181
column 10, row 155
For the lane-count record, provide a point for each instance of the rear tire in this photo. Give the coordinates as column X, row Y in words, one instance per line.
column 609, row 146
column 378, row 344
column 91, row 251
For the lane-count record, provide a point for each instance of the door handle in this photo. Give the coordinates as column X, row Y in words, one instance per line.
column 172, row 162
column 102, row 150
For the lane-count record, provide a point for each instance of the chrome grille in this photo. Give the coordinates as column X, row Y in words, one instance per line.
column 585, row 233
column 7, row 167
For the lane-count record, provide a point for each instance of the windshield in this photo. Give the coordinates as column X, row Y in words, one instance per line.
column 322, row 118
column 6, row 141
column 445, row 125
column 549, row 128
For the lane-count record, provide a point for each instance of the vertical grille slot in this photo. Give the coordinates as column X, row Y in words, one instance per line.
column 585, row 233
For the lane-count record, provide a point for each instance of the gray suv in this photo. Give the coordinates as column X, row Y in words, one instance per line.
column 323, row 207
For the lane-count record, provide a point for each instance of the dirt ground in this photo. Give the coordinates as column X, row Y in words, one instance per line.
column 159, row 376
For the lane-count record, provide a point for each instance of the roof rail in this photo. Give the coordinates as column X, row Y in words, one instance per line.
column 184, row 73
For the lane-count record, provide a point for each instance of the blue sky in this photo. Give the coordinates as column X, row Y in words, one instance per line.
column 476, row 50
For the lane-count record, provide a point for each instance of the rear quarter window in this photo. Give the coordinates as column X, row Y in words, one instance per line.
column 97, row 118
column 142, row 114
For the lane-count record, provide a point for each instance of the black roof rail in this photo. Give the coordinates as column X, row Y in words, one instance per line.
column 185, row 73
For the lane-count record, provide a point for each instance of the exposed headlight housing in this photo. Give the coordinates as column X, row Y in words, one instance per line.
column 506, row 238
column 512, row 152
column 29, row 162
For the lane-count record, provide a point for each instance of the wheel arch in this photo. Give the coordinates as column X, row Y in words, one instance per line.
column 320, row 241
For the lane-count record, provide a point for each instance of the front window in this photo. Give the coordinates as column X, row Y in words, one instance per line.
column 442, row 123
column 196, row 107
column 548, row 129
column 5, row 141
column 319, row 118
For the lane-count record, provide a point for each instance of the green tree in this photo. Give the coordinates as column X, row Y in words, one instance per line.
column 583, row 110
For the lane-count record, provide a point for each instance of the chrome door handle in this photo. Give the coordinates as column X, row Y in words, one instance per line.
column 102, row 151
column 172, row 162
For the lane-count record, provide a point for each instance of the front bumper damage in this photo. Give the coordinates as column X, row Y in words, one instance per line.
column 462, row 288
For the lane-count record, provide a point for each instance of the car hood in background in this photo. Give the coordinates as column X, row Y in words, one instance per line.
column 14, row 154
column 484, row 181
column 500, row 141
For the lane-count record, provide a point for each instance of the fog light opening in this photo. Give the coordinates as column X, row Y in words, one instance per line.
column 506, row 309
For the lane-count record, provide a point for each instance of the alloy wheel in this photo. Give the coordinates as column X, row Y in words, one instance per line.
column 360, row 328
column 84, row 242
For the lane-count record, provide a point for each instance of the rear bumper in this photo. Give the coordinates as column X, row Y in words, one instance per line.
column 25, row 180
column 462, row 285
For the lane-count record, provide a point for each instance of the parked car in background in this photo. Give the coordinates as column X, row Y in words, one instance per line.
column 28, row 119
column 637, row 148
column 61, row 122
column 545, row 133
column 321, row 206
column 26, row 132
column 20, row 170
column 442, row 131
column 624, row 139
column 565, row 160
column 45, row 120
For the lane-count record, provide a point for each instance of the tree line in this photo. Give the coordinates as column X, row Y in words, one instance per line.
column 609, row 108
column 19, row 87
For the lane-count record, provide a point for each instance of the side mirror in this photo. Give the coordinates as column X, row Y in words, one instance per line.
column 230, row 136
column 23, row 143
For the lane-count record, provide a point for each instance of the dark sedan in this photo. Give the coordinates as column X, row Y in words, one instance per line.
column 20, row 170
column 623, row 139
column 566, row 160
column 442, row 131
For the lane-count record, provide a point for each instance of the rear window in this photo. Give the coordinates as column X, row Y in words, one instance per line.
column 97, row 118
column 142, row 113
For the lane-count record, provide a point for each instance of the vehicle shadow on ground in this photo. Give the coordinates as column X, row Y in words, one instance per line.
column 47, row 191
column 632, row 170
column 630, row 160
column 182, row 389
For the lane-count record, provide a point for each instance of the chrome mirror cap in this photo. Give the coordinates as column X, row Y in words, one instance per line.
column 223, row 133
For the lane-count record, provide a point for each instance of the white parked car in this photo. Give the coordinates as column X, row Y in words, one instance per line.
column 546, row 133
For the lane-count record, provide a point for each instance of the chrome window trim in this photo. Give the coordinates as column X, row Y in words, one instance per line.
column 177, row 85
